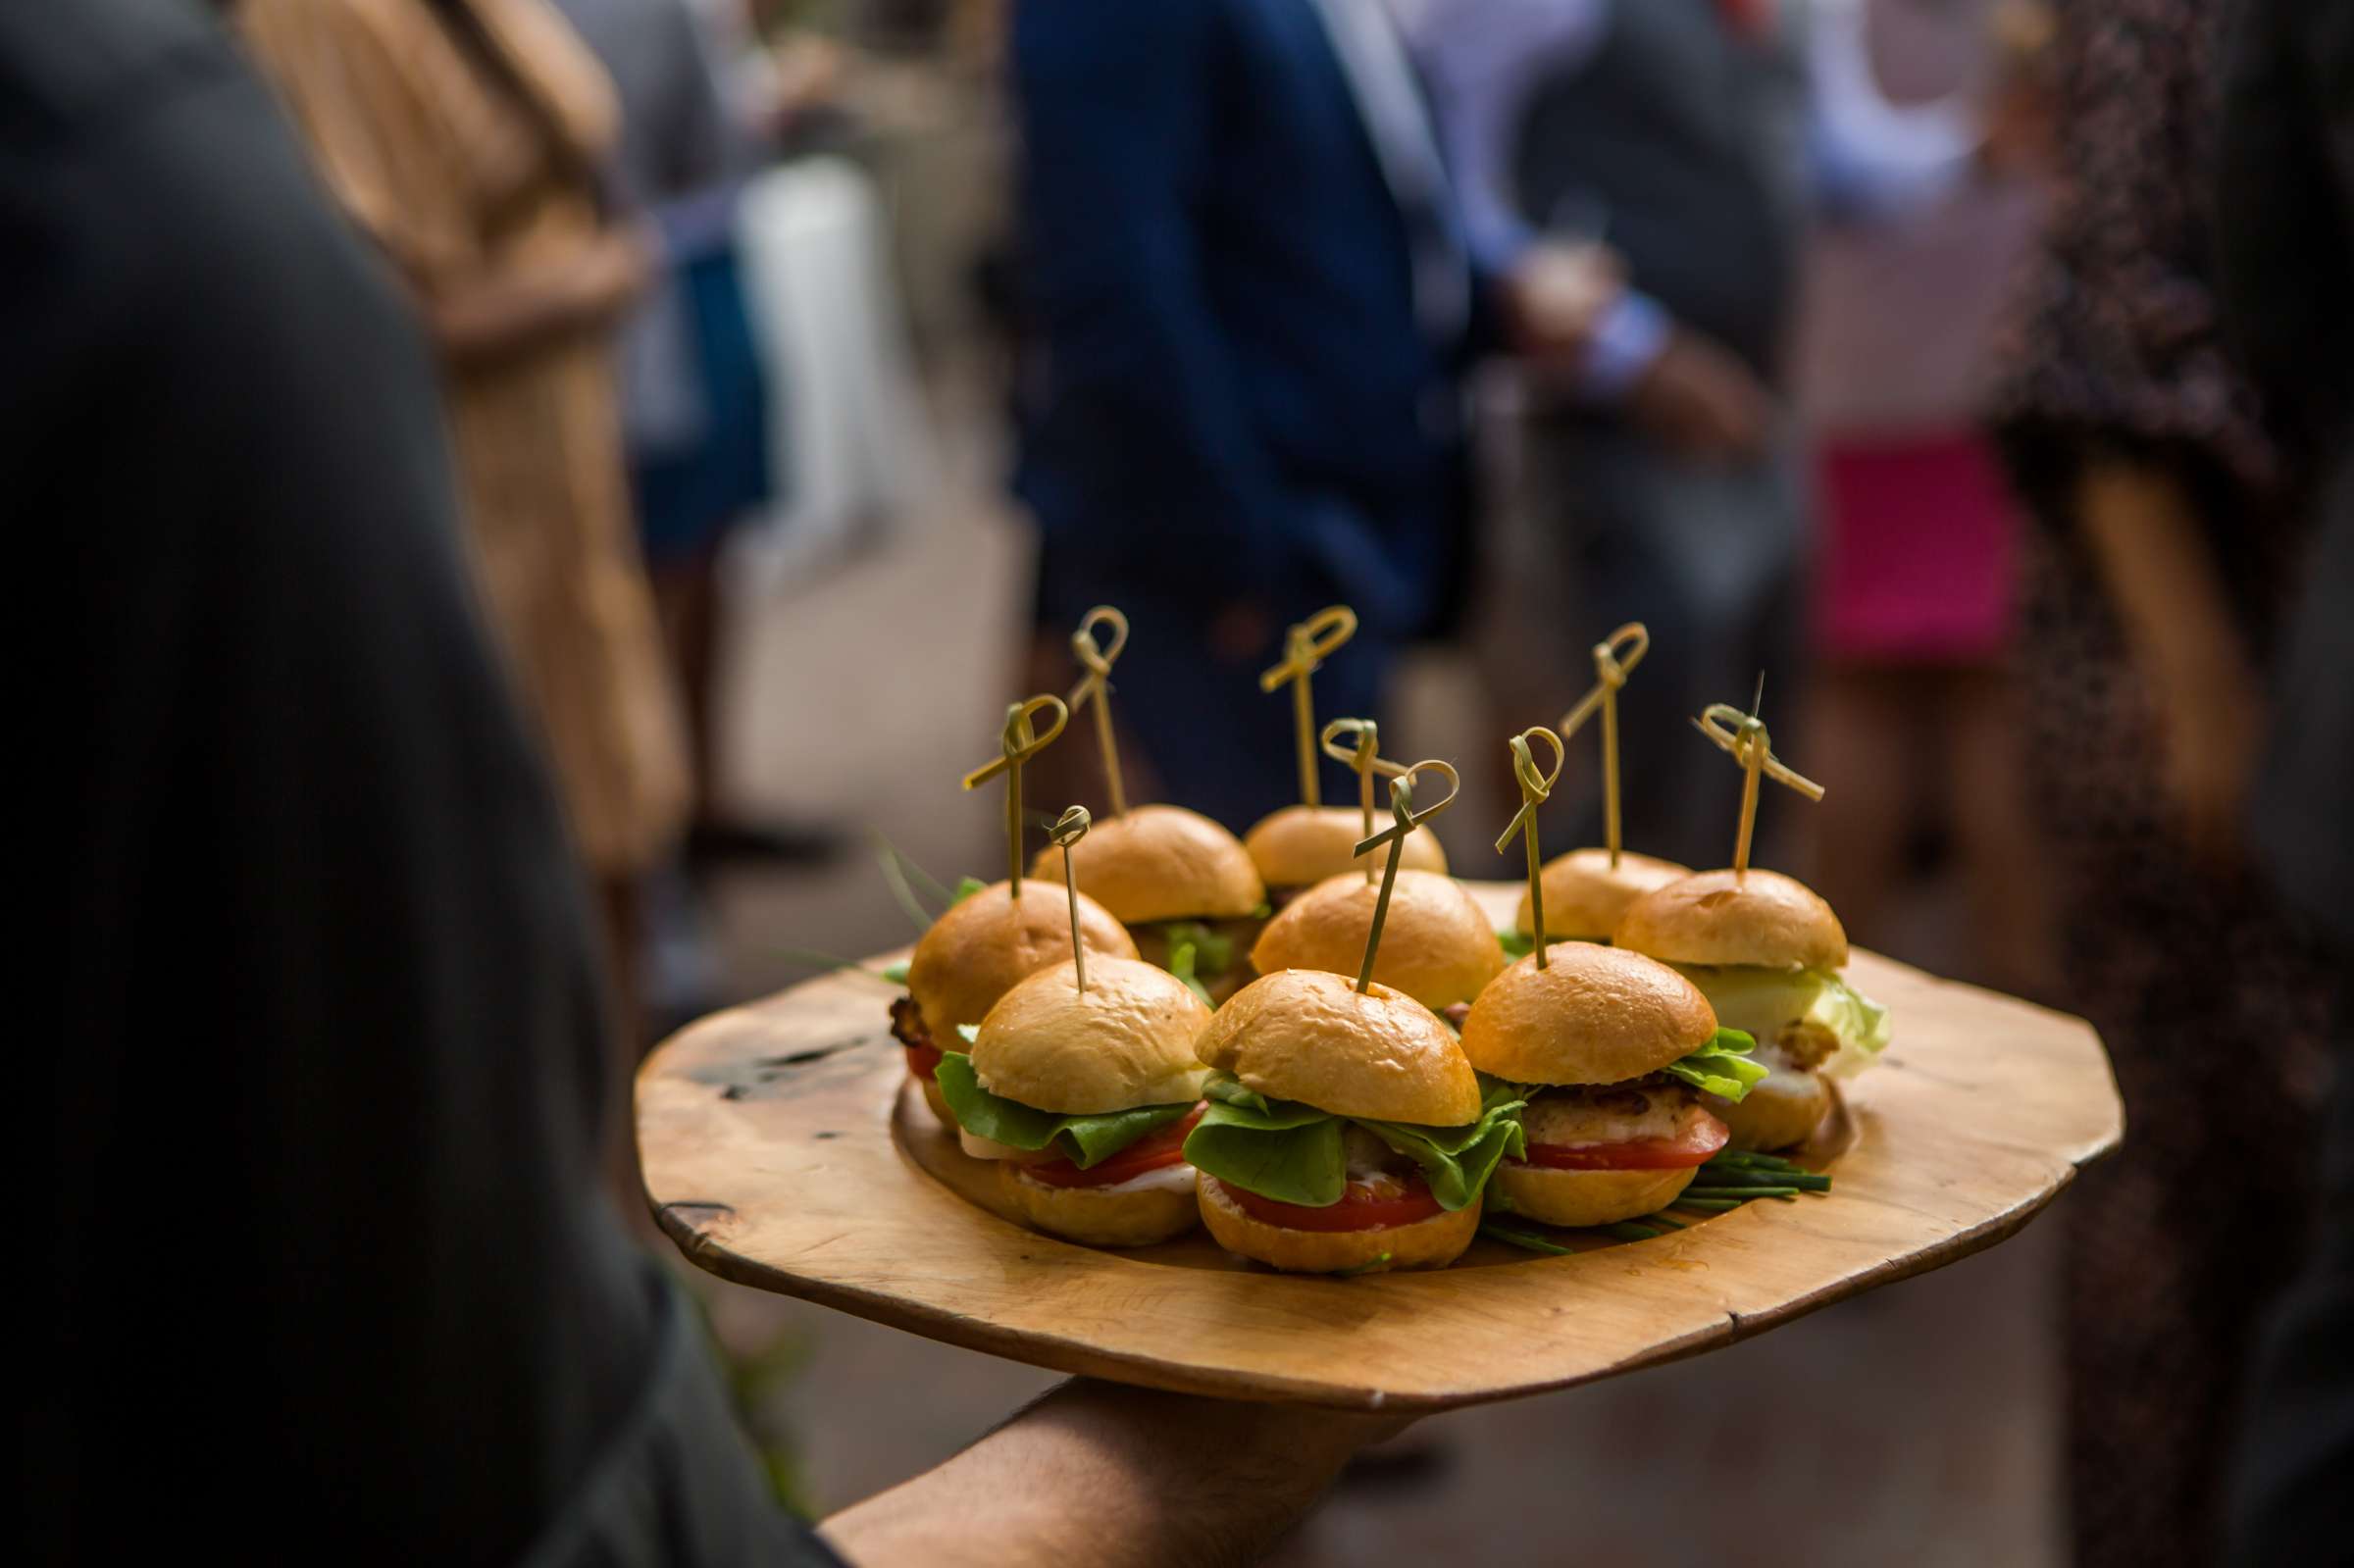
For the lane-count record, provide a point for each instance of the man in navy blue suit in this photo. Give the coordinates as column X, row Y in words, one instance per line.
column 1254, row 302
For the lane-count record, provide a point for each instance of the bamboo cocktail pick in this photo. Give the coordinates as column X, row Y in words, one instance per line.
column 1020, row 743
column 1305, row 646
column 1404, row 821
column 1358, row 742
column 1611, row 669
column 1068, row 830
column 1536, row 787
column 1748, row 745
column 1096, row 686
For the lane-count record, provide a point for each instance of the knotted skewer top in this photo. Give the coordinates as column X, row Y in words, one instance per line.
column 1746, row 743
column 1096, row 686
column 1536, row 788
column 1611, row 669
column 1019, row 741
column 1358, row 742
column 1404, row 818
column 1068, row 830
column 1305, row 646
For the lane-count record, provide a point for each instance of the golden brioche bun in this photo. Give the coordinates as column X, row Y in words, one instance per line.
column 1585, row 1198
column 1095, row 1215
column 975, row 952
column 1301, row 845
column 1124, row 1041
column 1161, row 863
column 936, row 1100
column 1435, row 944
column 1430, row 1243
column 1592, row 1015
column 1780, row 1111
column 1735, row 917
column 1305, row 1035
column 1585, row 894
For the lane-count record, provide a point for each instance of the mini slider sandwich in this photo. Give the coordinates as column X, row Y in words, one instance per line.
column 1345, row 1133
column 975, row 953
column 1767, row 952
column 1585, row 894
column 1438, row 947
column 1184, row 886
column 1613, row 1051
column 1301, row 846
column 1084, row 1097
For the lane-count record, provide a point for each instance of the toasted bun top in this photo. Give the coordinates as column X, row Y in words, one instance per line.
column 1303, row 1034
column 1436, row 945
column 1592, row 1015
column 1735, row 917
column 1584, row 894
column 975, row 952
column 1126, row 1040
column 1301, row 845
column 1161, row 863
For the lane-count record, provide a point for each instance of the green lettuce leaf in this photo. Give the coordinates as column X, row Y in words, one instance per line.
column 1085, row 1140
column 1292, row 1153
column 897, row 972
column 1722, row 1066
column 1515, row 944
column 1456, row 1161
column 966, row 887
column 1182, row 959
column 1213, row 952
column 1761, row 1001
column 1860, row 1024
column 1277, row 1148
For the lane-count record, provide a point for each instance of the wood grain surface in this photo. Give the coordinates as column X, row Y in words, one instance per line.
column 779, row 1151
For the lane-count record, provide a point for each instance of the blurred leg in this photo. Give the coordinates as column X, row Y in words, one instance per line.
column 1866, row 728
column 1998, row 843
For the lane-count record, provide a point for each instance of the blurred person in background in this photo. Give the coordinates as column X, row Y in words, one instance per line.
column 469, row 138
column 695, row 422
column 329, row 1052
column 2158, row 571
column 1911, row 584
column 1252, row 300
column 1690, row 137
column 2285, row 190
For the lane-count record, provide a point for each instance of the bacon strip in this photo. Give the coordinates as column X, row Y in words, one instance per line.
column 907, row 1023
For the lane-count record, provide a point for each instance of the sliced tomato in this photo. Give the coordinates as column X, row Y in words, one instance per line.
column 1694, row 1146
column 923, row 1060
column 1386, row 1202
column 1156, row 1150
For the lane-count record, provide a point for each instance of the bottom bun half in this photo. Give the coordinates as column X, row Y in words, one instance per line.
column 937, row 1101
column 1430, row 1243
column 1586, row 1198
column 1780, row 1111
column 1098, row 1216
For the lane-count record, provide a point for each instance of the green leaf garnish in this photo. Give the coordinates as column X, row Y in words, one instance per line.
column 1378, row 1260
column 1529, row 1240
column 1722, row 1066
column 1214, row 954
column 1515, row 944
column 1292, row 1153
column 1085, row 1140
column 1277, row 1148
column 966, row 887
column 1181, row 964
column 897, row 972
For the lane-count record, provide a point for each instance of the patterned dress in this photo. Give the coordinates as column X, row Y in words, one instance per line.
column 463, row 178
column 2212, row 1001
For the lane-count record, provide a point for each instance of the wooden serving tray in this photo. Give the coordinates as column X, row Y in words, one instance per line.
column 779, row 1151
